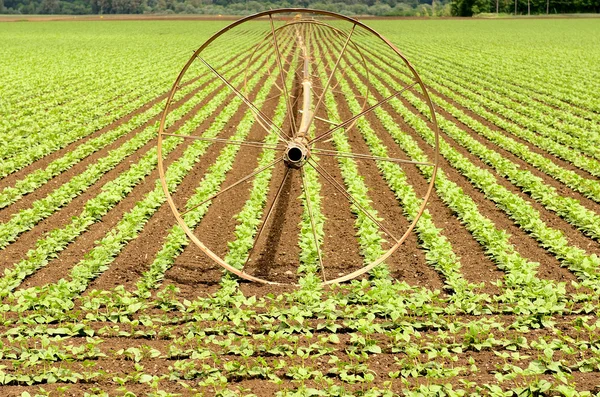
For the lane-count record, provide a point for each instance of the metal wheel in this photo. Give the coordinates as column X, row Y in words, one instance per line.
column 304, row 77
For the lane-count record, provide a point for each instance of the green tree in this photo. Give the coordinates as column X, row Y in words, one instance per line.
column 466, row 8
column 50, row 7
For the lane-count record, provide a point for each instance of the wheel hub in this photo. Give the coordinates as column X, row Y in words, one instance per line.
column 296, row 154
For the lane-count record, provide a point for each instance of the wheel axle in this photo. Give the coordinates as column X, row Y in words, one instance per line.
column 296, row 155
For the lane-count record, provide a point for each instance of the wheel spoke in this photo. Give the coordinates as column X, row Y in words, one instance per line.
column 312, row 221
column 332, row 89
column 367, row 110
column 322, row 119
column 330, row 78
column 244, row 179
column 285, row 91
column 349, row 196
column 361, row 156
column 229, row 141
column 255, row 110
column 269, row 212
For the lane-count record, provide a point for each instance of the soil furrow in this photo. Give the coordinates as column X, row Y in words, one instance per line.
column 62, row 217
column 524, row 244
column 26, row 240
column 575, row 236
column 131, row 263
column 193, row 272
column 561, row 188
column 408, row 262
column 70, row 256
column 10, row 180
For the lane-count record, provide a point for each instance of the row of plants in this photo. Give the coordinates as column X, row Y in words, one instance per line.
column 415, row 347
column 50, row 124
column 541, row 65
column 576, row 259
column 177, row 240
column 521, row 127
column 312, row 233
column 59, row 296
column 45, row 139
column 439, row 251
column 57, row 134
column 587, row 186
column 42, row 208
column 522, row 284
column 573, row 127
column 370, row 236
column 39, row 177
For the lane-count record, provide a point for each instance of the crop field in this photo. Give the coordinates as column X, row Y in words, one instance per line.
column 496, row 291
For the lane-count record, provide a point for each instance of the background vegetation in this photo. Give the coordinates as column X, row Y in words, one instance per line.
column 224, row 7
column 348, row 7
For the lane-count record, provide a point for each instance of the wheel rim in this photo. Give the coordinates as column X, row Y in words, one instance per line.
column 295, row 145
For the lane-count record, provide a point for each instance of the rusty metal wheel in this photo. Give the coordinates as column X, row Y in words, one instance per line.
column 309, row 62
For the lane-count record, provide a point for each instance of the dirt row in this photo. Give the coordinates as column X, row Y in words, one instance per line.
column 524, row 243
column 277, row 253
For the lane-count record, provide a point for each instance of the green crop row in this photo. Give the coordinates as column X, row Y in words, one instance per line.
column 528, row 218
column 39, row 177
column 132, row 222
column 369, row 234
column 572, row 128
column 176, row 240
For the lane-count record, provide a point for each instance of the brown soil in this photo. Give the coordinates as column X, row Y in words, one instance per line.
column 44, row 161
column 564, row 190
column 138, row 254
column 62, row 217
column 525, row 244
column 86, row 241
column 476, row 266
column 311, row 325
column 193, row 272
column 549, row 217
column 408, row 263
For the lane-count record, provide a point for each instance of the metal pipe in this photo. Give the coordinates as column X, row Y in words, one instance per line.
column 306, row 120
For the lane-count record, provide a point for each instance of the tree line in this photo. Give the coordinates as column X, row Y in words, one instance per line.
column 428, row 8
column 524, row 7
column 225, row 7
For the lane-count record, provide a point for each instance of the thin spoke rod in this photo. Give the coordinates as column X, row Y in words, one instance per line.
column 275, row 96
column 281, row 74
column 343, row 191
column 322, row 119
column 229, row 141
column 361, row 156
column 332, row 89
column 257, row 111
column 367, row 110
column 269, row 212
column 312, row 222
column 332, row 73
column 244, row 179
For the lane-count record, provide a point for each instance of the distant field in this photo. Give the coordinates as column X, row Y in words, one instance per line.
column 495, row 292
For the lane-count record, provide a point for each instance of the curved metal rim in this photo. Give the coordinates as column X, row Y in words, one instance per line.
column 191, row 234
